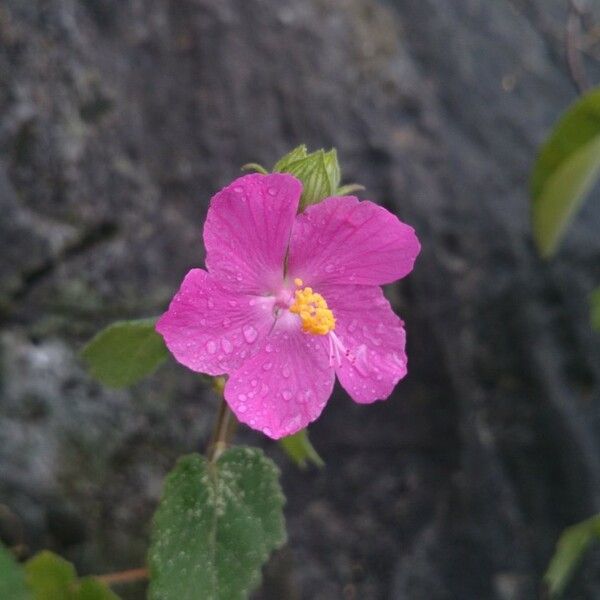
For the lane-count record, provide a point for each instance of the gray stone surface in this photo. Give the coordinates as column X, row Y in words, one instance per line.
column 119, row 119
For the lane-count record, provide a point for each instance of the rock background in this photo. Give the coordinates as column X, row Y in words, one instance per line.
column 119, row 119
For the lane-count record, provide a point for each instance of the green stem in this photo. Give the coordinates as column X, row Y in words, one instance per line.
column 225, row 425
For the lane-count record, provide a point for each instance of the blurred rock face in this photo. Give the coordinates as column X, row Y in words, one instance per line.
column 118, row 120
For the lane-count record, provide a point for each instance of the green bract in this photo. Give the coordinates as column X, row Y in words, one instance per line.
column 300, row 450
column 567, row 167
column 215, row 527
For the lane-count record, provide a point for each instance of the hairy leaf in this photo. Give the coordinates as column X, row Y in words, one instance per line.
column 215, row 527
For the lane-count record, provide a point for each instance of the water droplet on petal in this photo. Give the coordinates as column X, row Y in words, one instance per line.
column 267, row 366
column 242, row 408
column 211, row 347
column 272, row 191
column 286, row 394
column 250, row 333
column 242, row 397
column 227, row 346
column 268, row 348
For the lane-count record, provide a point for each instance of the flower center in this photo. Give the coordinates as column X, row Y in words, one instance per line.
column 312, row 308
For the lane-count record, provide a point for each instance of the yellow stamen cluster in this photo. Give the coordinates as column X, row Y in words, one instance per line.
column 312, row 308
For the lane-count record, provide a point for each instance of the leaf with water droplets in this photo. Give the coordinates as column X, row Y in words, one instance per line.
column 125, row 352
column 215, row 527
column 299, row 448
column 12, row 578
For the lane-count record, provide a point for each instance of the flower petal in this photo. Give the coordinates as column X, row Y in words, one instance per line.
column 343, row 240
column 213, row 330
column 247, row 231
column 286, row 385
column 374, row 337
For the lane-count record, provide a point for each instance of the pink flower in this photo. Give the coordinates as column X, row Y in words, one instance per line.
column 290, row 300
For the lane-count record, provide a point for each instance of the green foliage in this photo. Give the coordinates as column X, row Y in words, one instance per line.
column 50, row 577
column 595, row 312
column 12, row 578
column 125, row 352
column 300, row 450
column 570, row 549
column 215, row 527
column 47, row 577
column 567, row 167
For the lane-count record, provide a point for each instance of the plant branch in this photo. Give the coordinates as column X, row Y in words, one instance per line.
column 129, row 576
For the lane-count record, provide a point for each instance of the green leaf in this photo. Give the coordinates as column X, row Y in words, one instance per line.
column 595, row 312
column 571, row 546
column 215, row 527
column 300, row 450
column 567, row 167
column 92, row 589
column 51, row 577
column 12, row 577
column 124, row 352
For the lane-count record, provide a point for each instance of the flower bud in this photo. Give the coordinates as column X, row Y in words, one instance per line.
column 318, row 171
